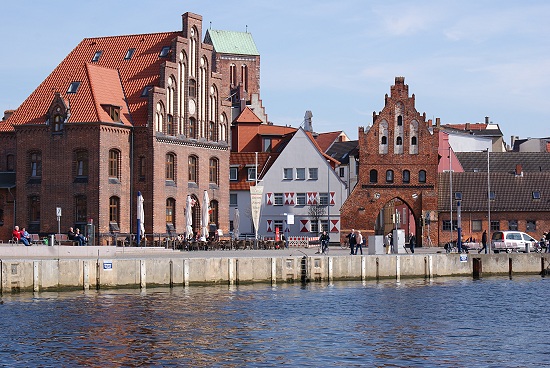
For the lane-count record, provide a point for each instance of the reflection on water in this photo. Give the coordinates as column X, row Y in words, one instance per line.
column 453, row 322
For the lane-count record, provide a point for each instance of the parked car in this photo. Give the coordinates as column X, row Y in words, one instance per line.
column 512, row 241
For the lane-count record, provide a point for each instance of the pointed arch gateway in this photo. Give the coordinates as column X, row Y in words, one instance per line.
column 396, row 214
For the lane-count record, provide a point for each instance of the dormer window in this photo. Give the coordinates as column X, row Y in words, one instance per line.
column 96, row 57
column 164, row 52
column 57, row 125
column 145, row 91
column 536, row 194
column 129, row 54
column 73, row 87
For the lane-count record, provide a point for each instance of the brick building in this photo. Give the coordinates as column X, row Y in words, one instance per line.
column 398, row 160
column 123, row 114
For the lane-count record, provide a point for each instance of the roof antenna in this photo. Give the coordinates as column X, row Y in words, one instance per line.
column 210, row 24
column 246, row 28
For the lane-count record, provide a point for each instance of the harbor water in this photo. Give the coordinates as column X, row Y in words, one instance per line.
column 446, row 322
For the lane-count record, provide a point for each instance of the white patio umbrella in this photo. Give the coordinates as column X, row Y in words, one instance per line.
column 140, row 218
column 205, row 215
column 189, row 218
column 236, row 220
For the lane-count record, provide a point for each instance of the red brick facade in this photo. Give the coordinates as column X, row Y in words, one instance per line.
column 398, row 162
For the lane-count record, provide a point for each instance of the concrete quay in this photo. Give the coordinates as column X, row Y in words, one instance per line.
column 56, row 268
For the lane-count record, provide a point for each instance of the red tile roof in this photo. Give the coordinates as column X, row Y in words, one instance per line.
column 325, row 140
column 101, row 81
column 248, row 116
column 334, row 162
column 247, row 159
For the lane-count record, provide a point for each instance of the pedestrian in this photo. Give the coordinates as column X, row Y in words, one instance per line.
column 483, row 242
column 388, row 242
column 548, row 242
column 412, row 242
column 324, row 239
column 352, row 240
column 360, row 240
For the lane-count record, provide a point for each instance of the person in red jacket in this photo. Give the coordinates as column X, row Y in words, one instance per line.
column 16, row 233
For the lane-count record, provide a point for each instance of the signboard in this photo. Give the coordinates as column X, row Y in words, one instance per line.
column 58, row 211
column 107, row 265
column 256, row 193
column 463, row 258
column 290, row 219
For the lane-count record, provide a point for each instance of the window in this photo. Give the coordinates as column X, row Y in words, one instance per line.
column 192, row 128
column 492, row 196
column 458, row 196
column 413, row 141
column 476, row 225
column 213, row 213
column 233, row 74
column 389, row 176
column 341, row 172
column 384, row 140
column 513, row 225
column 536, row 194
column 287, row 173
column 211, row 131
column 164, row 52
column 400, row 120
column 81, row 163
column 129, row 54
column 324, row 225
column 278, row 199
column 313, row 173
column 213, row 170
column 300, row 173
column 80, row 210
column 145, row 91
column 114, row 169
column 192, row 88
column 114, row 209
column 10, row 162
column 169, row 124
column 233, row 200
column 192, row 169
column 170, row 211
column 278, row 224
column 251, row 173
column 34, row 209
column 495, row 225
column 96, row 57
column 36, row 165
column 399, row 141
column 373, row 176
column 73, row 87
column 531, row 225
column 422, row 176
column 141, row 168
column 314, row 226
column 406, row 176
column 267, row 144
column 57, row 123
column 300, row 199
column 233, row 173
column 323, row 199
column 447, row 225
column 170, row 167
column 244, row 77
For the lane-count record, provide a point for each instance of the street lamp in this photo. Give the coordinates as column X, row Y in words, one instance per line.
column 328, row 198
column 488, row 204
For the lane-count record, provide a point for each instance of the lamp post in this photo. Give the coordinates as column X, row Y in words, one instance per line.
column 488, row 204
column 328, row 199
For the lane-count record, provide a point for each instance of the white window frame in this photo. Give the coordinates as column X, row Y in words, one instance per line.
column 235, row 202
column 323, row 199
column 251, row 173
column 233, row 173
column 300, row 173
column 277, row 199
column 301, row 199
column 288, row 173
column 313, row 173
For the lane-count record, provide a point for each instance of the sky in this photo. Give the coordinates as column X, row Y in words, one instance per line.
column 463, row 60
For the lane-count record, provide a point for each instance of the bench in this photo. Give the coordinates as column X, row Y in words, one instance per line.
column 63, row 239
column 35, row 239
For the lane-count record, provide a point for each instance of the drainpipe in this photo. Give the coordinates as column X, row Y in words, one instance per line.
column 14, row 207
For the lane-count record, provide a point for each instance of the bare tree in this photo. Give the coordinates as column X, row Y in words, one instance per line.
column 316, row 211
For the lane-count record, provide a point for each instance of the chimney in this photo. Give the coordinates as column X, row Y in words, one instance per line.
column 486, row 120
column 437, row 122
column 467, row 126
column 519, row 171
column 308, row 125
column 7, row 114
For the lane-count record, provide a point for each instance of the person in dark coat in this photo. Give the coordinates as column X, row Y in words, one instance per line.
column 484, row 241
column 324, row 239
column 352, row 240
column 412, row 242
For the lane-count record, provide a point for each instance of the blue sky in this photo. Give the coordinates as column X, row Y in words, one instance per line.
column 463, row 60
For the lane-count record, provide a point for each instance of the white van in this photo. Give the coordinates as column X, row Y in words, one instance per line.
column 512, row 241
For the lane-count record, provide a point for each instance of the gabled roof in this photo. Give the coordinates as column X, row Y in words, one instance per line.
column 243, row 160
column 230, row 42
column 512, row 194
column 247, row 116
column 111, row 77
column 505, row 161
column 478, row 129
column 342, row 150
column 334, row 162
column 325, row 140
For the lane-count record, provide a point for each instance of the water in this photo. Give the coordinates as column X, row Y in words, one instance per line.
column 453, row 322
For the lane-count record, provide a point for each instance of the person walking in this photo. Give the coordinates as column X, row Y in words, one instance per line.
column 359, row 239
column 483, row 242
column 352, row 240
column 324, row 239
column 412, row 242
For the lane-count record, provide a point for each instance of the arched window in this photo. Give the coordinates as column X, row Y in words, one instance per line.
column 400, row 120
column 244, row 77
column 373, row 176
column 213, row 213
column 192, row 128
column 413, row 141
column 58, row 123
column 34, row 210
column 114, row 210
column 170, row 167
column 406, row 176
column 399, row 141
column 192, row 88
column 389, row 176
column 80, row 210
column 384, row 140
column 192, row 169
column 233, row 75
column 211, row 131
column 170, row 211
column 159, row 117
column 114, row 164
column 422, row 176
column 213, row 170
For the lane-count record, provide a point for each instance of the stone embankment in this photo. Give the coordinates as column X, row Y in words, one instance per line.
column 43, row 268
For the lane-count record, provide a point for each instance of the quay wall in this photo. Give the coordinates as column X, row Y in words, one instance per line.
column 149, row 271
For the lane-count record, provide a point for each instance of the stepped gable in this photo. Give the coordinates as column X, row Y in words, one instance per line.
column 134, row 74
